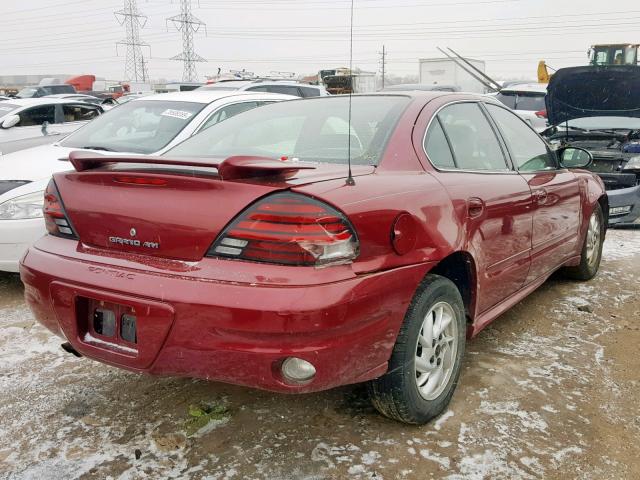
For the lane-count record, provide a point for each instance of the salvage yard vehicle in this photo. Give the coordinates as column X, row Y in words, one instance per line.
column 296, row 247
column 149, row 125
column 528, row 101
column 35, row 121
column 598, row 109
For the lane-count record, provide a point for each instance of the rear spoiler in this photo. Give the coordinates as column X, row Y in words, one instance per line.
column 228, row 169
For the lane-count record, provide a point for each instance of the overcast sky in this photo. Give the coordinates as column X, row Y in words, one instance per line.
column 304, row 36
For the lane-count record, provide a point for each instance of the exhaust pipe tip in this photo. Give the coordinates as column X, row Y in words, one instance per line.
column 67, row 347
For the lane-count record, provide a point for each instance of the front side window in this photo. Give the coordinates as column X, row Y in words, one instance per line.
column 528, row 150
column 310, row 92
column 473, row 141
column 37, row 116
column 140, row 126
column 314, row 130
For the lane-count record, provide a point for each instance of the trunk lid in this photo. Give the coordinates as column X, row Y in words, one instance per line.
column 170, row 210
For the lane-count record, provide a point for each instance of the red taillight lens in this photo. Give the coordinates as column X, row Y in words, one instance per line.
column 54, row 215
column 289, row 229
column 541, row 114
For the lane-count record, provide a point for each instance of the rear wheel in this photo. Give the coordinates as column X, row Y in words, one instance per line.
column 591, row 249
column 426, row 359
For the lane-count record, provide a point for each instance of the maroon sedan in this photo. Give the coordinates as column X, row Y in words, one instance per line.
column 250, row 255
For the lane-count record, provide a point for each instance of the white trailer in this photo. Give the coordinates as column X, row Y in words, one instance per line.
column 443, row 71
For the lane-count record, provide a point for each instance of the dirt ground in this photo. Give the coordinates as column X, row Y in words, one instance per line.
column 549, row 390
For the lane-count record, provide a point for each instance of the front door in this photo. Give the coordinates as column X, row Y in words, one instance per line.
column 555, row 191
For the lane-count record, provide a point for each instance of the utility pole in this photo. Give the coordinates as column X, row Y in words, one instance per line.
column 383, row 62
column 135, row 67
column 187, row 24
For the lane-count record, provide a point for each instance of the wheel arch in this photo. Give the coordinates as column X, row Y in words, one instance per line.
column 460, row 268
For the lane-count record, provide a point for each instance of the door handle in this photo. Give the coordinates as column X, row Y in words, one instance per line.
column 540, row 196
column 475, row 207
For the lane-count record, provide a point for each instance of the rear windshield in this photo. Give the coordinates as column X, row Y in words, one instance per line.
column 314, row 130
column 522, row 100
column 143, row 126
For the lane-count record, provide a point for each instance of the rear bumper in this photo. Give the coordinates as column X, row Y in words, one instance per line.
column 15, row 238
column 227, row 331
column 624, row 198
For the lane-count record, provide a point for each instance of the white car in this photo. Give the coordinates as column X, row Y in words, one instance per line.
column 528, row 101
column 149, row 125
column 27, row 122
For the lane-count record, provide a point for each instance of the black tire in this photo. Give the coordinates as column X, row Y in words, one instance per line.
column 396, row 394
column 589, row 266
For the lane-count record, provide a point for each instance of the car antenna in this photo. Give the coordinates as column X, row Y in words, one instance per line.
column 350, row 180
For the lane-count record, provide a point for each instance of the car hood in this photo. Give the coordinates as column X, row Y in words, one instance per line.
column 579, row 92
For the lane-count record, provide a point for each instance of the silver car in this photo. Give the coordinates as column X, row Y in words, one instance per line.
column 27, row 122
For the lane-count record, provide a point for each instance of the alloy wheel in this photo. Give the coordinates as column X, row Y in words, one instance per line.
column 436, row 350
column 593, row 239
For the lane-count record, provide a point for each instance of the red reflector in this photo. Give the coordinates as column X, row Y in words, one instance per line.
column 155, row 182
column 289, row 229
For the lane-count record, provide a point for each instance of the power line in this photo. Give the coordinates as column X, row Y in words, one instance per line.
column 383, row 63
column 135, row 66
column 188, row 25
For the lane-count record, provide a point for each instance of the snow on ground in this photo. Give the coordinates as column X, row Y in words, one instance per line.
column 538, row 398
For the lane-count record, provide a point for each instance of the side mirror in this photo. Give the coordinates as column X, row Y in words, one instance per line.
column 11, row 121
column 574, row 157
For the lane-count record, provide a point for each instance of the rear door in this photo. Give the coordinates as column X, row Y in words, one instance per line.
column 494, row 200
column 555, row 191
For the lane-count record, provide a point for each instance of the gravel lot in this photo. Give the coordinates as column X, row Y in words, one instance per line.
column 550, row 390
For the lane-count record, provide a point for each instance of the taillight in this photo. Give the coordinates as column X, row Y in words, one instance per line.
column 54, row 215
column 289, row 229
column 541, row 114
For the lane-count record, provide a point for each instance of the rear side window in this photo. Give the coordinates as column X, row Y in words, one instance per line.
column 528, row 151
column 79, row 113
column 309, row 92
column 473, row 141
column 437, row 147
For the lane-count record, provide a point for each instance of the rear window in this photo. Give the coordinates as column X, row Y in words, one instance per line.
column 530, row 101
column 311, row 130
column 522, row 100
column 142, row 126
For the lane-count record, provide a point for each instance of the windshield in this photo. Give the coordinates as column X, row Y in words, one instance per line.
column 144, row 126
column 27, row 92
column 7, row 108
column 310, row 130
column 605, row 123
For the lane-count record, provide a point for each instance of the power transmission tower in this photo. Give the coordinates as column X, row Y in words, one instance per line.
column 383, row 63
column 188, row 25
column 135, row 66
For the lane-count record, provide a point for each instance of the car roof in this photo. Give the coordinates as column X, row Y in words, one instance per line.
column 68, row 95
column 207, row 96
column 527, row 87
column 27, row 102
